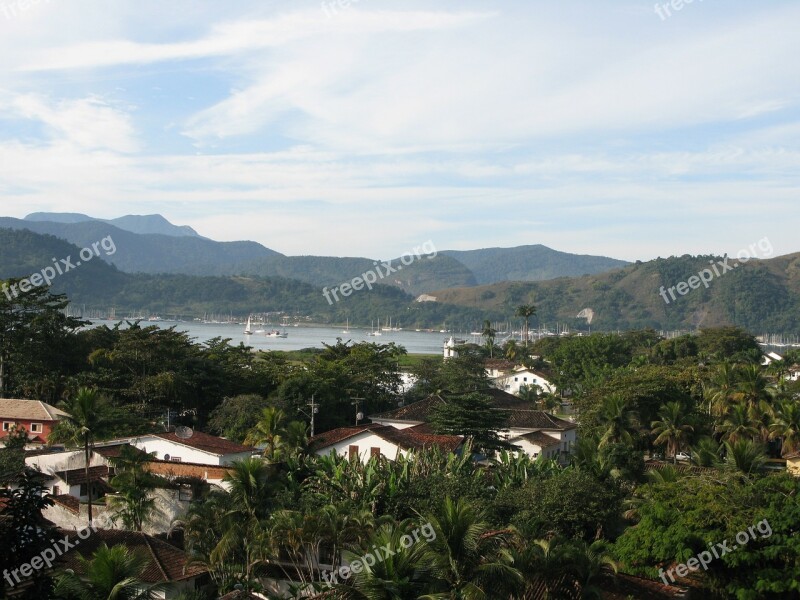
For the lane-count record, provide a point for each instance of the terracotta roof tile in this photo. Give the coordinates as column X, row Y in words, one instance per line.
column 407, row 439
column 165, row 562
column 71, row 503
column 521, row 415
column 206, row 442
column 34, row 410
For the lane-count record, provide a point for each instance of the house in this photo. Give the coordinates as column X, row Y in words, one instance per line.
column 34, row 416
column 515, row 379
column 373, row 439
column 67, row 482
column 498, row 366
column 522, row 421
column 166, row 564
column 190, row 446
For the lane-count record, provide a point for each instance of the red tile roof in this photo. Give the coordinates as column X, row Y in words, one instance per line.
column 166, row 562
column 521, row 415
column 407, row 439
column 78, row 476
column 71, row 503
column 540, row 439
column 206, row 442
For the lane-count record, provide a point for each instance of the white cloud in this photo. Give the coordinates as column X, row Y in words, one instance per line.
column 88, row 123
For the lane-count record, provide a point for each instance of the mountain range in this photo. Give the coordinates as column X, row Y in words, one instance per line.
column 151, row 244
column 164, row 274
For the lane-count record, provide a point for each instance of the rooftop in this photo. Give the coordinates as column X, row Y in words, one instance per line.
column 407, row 439
column 166, row 562
column 521, row 415
column 33, row 410
column 205, row 442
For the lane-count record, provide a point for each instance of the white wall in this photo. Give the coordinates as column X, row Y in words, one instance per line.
column 365, row 442
column 162, row 447
column 512, row 382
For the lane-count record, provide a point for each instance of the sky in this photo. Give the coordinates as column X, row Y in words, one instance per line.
column 366, row 127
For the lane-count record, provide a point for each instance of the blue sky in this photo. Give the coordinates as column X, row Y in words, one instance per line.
column 595, row 127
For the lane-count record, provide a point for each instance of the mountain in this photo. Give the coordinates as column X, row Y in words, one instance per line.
column 153, row 253
column 151, row 244
column 761, row 295
column 530, row 263
column 133, row 223
column 100, row 286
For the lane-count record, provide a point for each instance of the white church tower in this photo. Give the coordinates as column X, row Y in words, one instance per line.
column 450, row 348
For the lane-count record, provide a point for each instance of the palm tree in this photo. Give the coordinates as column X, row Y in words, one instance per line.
column 787, row 425
column 762, row 416
column 543, row 563
column 526, row 311
column 737, row 425
column 720, row 391
column 268, row 431
column 705, row 453
column 111, row 574
column 250, row 486
column 591, row 564
column 672, row 429
column 400, row 576
column 133, row 484
column 745, row 455
column 753, row 387
column 467, row 558
column 489, row 332
column 617, row 421
column 511, row 349
column 85, row 421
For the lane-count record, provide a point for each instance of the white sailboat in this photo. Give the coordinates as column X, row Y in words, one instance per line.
column 248, row 330
column 347, row 327
column 376, row 331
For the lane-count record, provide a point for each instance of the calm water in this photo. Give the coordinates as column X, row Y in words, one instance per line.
column 415, row 342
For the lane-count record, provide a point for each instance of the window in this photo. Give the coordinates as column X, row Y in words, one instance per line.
column 352, row 452
column 516, row 378
column 185, row 493
column 83, row 491
column 56, row 490
column 36, row 428
column 326, row 554
column 524, row 379
column 7, row 426
column 375, row 452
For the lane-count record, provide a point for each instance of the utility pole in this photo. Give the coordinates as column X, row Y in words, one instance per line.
column 355, row 402
column 314, row 408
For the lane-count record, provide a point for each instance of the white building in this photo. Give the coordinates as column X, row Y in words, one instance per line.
column 522, row 421
column 511, row 382
column 373, row 439
column 199, row 448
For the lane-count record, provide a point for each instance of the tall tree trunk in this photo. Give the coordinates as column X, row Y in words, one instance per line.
column 88, row 483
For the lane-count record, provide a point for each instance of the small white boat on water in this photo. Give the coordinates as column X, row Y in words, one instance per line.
column 276, row 333
column 248, row 330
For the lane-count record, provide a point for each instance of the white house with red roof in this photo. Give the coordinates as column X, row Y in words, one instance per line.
column 34, row 416
column 512, row 381
column 191, row 447
column 534, row 432
column 373, row 439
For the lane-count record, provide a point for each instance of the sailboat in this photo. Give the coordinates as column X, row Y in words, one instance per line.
column 247, row 328
column 347, row 326
column 378, row 331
